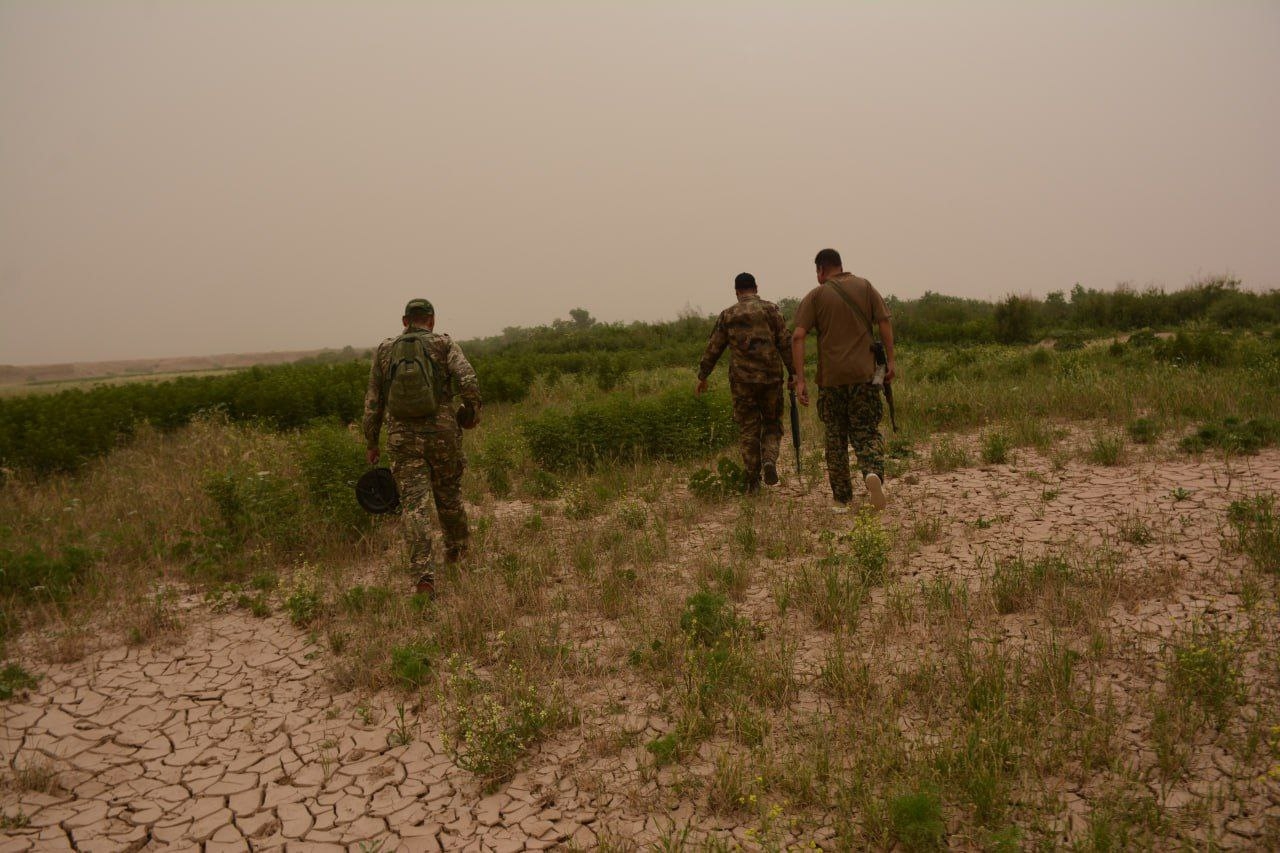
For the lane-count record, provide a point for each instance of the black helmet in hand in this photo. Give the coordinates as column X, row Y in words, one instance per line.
column 468, row 416
column 376, row 491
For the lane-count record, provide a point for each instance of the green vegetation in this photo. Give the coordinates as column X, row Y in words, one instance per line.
column 1232, row 435
column 489, row 722
column 621, row 428
column 726, row 480
column 1257, row 528
column 890, row 681
column 14, row 679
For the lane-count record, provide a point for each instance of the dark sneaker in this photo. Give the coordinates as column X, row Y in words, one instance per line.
column 455, row 555
column 426, row 585
column 875, row 491
column 770, row 474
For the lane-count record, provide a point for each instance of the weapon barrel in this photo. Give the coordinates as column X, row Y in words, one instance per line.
column 795, row 429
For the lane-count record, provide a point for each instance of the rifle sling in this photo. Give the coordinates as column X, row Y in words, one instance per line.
column 853, row 306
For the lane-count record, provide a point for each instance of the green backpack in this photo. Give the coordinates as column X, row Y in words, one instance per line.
column 413, row 379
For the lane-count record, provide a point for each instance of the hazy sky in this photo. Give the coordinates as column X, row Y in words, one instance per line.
column 181, row 178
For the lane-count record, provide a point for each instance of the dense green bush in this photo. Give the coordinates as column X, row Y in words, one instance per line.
column 60, row 432
column 30, row 574
column 332, row 460
column 1233, row 436
column 674, row 425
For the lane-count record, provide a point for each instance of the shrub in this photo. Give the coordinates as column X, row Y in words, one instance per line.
column 331, row 461
column 32, row 574
column 304, row 601
column 285, row 396
column 622, row 428
column 542, row 484
column 728, row 479
column 488, row 723
column 1233, row 436
column 707, row 618
column 579, row 503
column 495, row 460
column 260, row 504
column 869, row 548
column 1205, row 670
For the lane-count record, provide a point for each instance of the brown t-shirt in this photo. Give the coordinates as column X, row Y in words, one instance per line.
column 844, row 342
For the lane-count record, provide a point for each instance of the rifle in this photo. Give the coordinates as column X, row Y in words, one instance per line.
column 795, row 429
column 888, row 397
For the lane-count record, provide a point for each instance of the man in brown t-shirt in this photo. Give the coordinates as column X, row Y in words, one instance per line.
column 843, row 308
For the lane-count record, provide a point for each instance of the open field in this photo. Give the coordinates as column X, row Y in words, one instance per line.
column 1061, row 634
column 50, row 378
column 1049, row 654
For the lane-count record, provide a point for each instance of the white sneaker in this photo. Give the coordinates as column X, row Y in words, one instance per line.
column 875, row 491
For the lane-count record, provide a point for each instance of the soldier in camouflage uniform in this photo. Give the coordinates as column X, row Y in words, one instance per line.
column 756, row 335
column 426, row 454
column 849, row 383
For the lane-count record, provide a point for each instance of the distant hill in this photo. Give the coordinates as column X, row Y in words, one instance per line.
column 83, row 371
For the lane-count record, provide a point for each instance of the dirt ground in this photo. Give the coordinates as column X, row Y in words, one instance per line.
column 234, row 739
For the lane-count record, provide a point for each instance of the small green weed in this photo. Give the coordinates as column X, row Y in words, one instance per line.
column 1107, row 449
column 411, row 664
column 1017, row 582
column 1144, row 431
column 1257, row 528
column 490, row 722
column 915, row 821
column 708, row 618
column 996, row 448
column 1205, row 669
column 665, row 749
column 14, row 679
column 946, row 456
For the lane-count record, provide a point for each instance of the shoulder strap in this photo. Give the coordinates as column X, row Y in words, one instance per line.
column 852, row 305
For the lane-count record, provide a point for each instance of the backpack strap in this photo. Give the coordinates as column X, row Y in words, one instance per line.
column 417, row 334
column 853, row 306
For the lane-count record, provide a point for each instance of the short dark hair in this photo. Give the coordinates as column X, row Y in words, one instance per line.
column 828, row 259
column 744, row 281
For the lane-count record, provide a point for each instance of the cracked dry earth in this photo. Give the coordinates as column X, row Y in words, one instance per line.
column 235, row 739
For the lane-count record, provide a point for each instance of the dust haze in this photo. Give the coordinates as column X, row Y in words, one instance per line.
column 195, row 178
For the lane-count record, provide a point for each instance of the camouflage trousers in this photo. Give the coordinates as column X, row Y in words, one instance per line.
column 429, row 463
column 757, row 410
column 851, row 415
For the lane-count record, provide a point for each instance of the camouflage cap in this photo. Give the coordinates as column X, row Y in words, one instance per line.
column 419, row 306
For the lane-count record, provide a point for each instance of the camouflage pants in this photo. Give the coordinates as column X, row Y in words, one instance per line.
column 757, row 410
column 429, row 463
column 851, row 415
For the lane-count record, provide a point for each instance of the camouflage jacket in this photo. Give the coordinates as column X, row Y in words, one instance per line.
column 447, row 355
column 756, row 335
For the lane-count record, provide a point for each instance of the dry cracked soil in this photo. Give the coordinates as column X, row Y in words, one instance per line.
column 234, row 739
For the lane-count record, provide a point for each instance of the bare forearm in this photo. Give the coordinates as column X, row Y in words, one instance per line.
column 797, row 351
column 886, row 336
